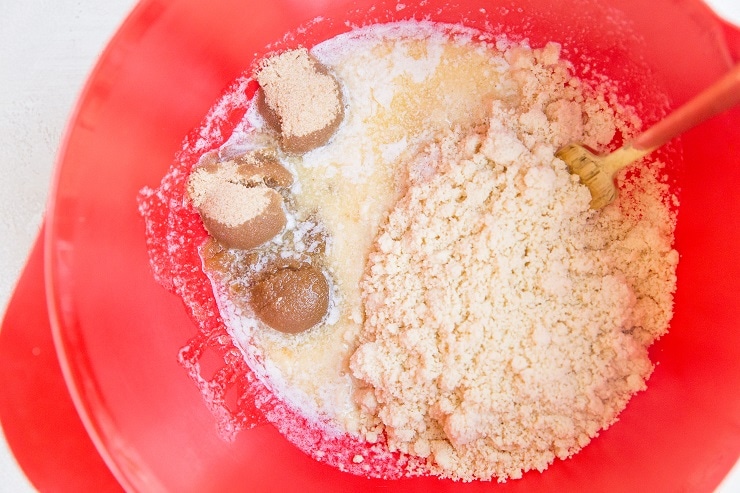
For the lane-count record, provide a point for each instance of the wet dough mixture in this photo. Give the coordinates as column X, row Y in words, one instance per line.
column 400, row 256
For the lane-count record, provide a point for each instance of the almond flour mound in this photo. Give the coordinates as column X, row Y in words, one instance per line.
column 506, row 322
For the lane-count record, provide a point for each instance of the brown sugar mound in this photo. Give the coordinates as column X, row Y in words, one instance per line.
column 235, row 201
column 300, row 99
column 291, row 299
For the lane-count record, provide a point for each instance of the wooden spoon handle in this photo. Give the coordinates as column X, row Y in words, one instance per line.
column 720, row 96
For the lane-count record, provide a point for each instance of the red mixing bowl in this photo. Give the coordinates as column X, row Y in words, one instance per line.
column 118, row 332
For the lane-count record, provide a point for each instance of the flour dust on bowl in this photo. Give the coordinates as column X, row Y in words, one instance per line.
column 413, row 290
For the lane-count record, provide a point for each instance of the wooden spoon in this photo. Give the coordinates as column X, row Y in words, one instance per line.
column 597, row 172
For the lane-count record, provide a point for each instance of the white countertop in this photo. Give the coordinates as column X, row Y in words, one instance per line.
column 47, row 48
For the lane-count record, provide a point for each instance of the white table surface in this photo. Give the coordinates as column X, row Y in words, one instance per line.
column 47, row 49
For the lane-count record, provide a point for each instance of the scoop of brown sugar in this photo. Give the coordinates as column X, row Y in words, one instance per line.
column 300, row 99
column 236, row 202
column 291, row 299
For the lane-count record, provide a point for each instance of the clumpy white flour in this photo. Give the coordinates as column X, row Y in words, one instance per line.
column 482, row 317
column 506, row 323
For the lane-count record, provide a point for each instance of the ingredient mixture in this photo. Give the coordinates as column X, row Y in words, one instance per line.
column 401, row 258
